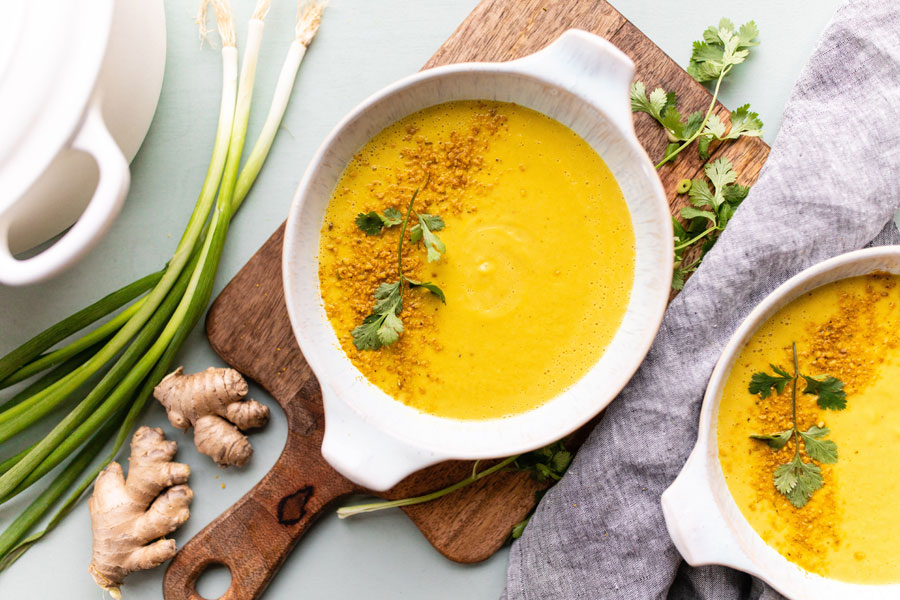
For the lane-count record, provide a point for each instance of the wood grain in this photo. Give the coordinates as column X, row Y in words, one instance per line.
column 248, row 326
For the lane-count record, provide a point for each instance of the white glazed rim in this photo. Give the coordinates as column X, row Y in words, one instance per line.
column 468, row 439
column 758, row 557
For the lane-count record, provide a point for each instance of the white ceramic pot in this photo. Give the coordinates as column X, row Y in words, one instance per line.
column 580, row 80
column 79, row 83
column 703, row 519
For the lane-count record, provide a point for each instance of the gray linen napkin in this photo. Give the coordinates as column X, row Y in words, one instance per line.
column 830, row 185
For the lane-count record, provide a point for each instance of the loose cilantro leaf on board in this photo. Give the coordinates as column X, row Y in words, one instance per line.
column 828, row 390
column 372, row 223
column 706, row 218
column 546, row 464
column 722, row 48
column 798, row 479
column 519, row 528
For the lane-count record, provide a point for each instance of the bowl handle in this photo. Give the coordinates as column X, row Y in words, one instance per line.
column 94, row 138
column 589, row 67
column 695, row 521
column 363, row 454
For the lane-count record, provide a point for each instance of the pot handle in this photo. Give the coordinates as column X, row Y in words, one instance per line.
column 365, row 455
column 589, row 67
column 695, row 521
column 94, row 138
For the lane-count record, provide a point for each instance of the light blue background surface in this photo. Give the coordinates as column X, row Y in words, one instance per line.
column 362, row 46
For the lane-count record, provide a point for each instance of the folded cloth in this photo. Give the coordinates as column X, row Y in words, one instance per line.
column 830, row 185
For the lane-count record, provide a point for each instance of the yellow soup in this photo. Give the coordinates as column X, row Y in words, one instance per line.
column 849, row 528
column 538, row 267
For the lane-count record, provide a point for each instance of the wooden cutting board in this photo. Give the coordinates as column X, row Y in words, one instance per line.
column 248, row 327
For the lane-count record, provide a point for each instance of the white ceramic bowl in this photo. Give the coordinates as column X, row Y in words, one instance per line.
column 580, row 80
column 703, row 520
column 79, row 83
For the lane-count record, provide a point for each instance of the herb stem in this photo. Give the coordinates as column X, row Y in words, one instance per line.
column 349, row 511
column 794, row 401
column 400, row 243
column 699, row 131
column 695, row 239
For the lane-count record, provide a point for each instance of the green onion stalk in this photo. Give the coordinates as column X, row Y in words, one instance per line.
column 124, row 358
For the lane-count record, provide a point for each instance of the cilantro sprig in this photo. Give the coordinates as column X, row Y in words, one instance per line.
column 798, row 479
column 707, row 216
column 547, row 464
column 721, row 49
column 383, row 326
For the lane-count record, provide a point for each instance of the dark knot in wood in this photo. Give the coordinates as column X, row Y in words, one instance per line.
column 292, row 508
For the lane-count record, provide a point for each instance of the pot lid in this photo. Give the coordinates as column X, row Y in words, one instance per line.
column 50, row 56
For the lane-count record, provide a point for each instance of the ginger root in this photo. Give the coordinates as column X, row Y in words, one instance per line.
column 212, row 401
column 127, row 515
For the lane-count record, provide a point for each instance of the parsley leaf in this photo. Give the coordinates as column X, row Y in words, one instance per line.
column 775, row 440
column 762, row 383
column 372, row 223
column 830, row 391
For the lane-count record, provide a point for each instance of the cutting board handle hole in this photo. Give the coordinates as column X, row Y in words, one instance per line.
column 214, row 582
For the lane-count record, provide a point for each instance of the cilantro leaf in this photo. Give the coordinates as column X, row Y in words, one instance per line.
column 735, row 194
column 744, row 122
column 428, row 286
column 775, row 440
column 671, row 120
column 383, row 326
column 830, row 391
column 547, row 463
column 654, row 106
column 824, row 451
column 372, row 223
column 519, row 528
column 798, row 480
column 388, row 296
column 693, row 124
column 762, row 383
column 423, row 231
column 699, row 194
column 678, row 275
column 390, row 329
column 722, row 48
column 689, row 212
column 392, row 217
column 720, row 173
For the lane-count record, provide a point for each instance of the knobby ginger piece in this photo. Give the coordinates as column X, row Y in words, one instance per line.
column 127, row 515
column 212, row 402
